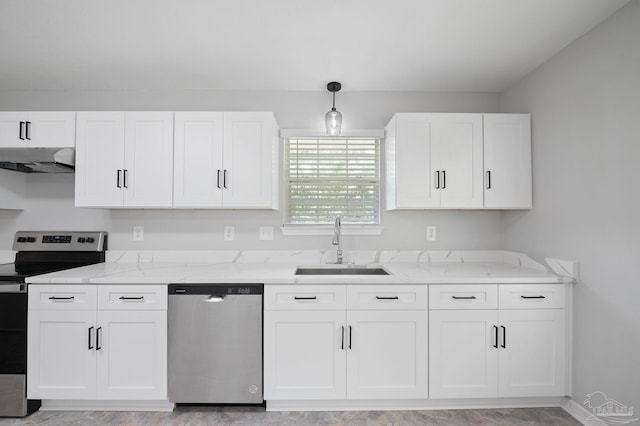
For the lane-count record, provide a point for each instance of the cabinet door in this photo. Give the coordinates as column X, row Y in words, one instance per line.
column 387, row 354
column 456, row 150
column 52, row 129
column 12, row 129
column 148, row 166
column 304, row 355
column 463, row 354
column 250, row 160
column 132, row 355
column 61, row 355
column 507, row 161
column 198, row 159
column 414, row 171
column 532, row 356
column 99, row 159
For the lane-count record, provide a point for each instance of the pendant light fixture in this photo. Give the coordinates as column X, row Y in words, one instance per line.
column 333, row 118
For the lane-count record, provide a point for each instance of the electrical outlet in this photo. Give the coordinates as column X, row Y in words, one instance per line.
column 266, row 233
column 229, row 233
column 431, row 233
column 138, row 233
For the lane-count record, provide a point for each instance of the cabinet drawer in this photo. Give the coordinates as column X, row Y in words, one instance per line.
column 62, row 297
column 304, row 297
column 531, row 296
column 384, row 297
column 132, row 297
column 463, row 296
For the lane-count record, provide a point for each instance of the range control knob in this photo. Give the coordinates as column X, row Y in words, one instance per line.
column 31, row 239
column 22, row 240
column 90, row 239
column 81, row 239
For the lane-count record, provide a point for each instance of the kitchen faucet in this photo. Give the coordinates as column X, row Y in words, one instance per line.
column 337, row 238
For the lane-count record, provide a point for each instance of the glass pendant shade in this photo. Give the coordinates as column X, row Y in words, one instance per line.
column 333, row 121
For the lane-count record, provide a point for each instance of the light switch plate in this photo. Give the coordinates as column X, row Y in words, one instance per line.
column 266, row 233
column 229, row 233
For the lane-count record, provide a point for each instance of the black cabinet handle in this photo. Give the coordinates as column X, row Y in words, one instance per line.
column 444, row 179
column 131, row 298
column 504, row 336
column 437, row 179
column 305, row 297
column 350, row 335
column 488, row 179
column 387, row 297
column 126, row 175
column 118, row 173
column 218, row 184
column 27, row 133
column 22, row 123
column 342, row 339
column 61, row 298
column 224, row 179
column 495, row 335
column 90, row 338
column 533, row 297
column 98, row 347
column 463, row 297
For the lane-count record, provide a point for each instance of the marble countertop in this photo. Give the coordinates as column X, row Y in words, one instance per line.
column 270, row 267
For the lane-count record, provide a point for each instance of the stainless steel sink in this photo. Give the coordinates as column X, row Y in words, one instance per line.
column 340, row 271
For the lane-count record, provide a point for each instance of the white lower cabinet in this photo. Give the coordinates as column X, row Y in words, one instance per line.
column 517, row 349
column 338, row 353
column 79, row 349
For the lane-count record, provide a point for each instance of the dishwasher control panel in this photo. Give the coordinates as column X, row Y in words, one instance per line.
column 215, row 289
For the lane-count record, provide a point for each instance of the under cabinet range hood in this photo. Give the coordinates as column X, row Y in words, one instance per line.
column 38, row 160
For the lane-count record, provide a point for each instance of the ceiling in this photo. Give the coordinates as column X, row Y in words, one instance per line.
column 368, row 45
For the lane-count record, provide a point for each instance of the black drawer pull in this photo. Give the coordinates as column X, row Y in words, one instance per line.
column 61, row 298
column 463, row 297
column 22, row 123
column 131, row 298
column 533, row 297
column 305, row 297
column 495, row 329
column 342, row 338
column 98, row 347
column 387, row 297
column 504, row 336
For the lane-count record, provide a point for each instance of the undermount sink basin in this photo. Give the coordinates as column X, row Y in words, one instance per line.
column 341, row 271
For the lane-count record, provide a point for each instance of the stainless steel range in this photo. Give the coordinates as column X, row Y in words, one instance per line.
column 37, row 253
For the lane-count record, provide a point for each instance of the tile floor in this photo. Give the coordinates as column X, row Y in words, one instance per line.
column 186, row 416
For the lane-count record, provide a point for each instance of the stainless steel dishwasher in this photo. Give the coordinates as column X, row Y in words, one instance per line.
column 215, row 344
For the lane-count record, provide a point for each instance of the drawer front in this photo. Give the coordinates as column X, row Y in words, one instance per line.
column 532, row 296
column 384, row 297
column 132, row 297
column 463, row 296
column 62, row 297
column 304, row 297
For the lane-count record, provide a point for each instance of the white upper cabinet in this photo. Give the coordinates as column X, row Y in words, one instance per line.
column 226, row 160
column 507, row 161
column 49, row 129
column 434, row 161
column 197, row 158
column 124, row 159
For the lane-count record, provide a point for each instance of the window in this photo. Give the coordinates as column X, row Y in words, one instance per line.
column 326, row 177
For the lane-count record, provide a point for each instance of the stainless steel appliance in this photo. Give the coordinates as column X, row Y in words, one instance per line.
column 215, row 343
column 37, row 253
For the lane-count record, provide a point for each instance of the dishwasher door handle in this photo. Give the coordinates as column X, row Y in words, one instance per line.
column 213, row 299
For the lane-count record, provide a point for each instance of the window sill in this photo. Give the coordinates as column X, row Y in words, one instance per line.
column 288, row 230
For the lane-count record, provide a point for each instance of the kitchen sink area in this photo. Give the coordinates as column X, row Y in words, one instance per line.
column 337, row 270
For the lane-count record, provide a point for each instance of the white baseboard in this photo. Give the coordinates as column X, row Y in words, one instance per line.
column 82, row 405
column 581, row 414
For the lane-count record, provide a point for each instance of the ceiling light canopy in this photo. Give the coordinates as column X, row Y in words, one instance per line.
column 333, row 118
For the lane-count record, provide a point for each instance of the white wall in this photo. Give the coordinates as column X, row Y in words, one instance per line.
column 50, row 197
column 585, row 106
